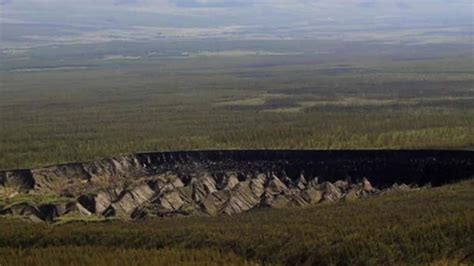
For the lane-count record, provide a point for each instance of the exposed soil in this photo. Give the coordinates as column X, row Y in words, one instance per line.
column 224, row 182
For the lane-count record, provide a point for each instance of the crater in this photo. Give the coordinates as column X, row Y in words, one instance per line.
column 223, row 182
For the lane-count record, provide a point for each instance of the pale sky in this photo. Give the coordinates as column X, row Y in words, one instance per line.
column 238, row 12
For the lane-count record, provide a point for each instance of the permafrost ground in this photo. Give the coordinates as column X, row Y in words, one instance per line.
column 221, row 182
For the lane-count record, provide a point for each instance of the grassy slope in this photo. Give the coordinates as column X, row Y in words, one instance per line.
column 68, row 255
column 427, row 226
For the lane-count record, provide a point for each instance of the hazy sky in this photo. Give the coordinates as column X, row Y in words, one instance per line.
column 246, row 10
column 285, row 18
column 161, row 5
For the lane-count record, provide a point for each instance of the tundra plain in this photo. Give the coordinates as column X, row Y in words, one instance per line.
column 67, row 104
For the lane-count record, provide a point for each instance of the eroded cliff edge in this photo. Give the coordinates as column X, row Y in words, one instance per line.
column 221, row 182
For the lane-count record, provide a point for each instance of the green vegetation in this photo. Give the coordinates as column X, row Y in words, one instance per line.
column 73, row 255
column 36, row 199
column 286, row 101
column 430, row 226
column 71, row 218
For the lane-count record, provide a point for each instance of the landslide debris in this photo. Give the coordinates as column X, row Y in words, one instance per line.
column 201, row 196
column 219, row 183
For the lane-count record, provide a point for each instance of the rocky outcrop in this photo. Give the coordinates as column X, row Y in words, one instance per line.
column 19, row 180
column 225, row 183
column 130, row 201
column 168, row 196
column 38, row 212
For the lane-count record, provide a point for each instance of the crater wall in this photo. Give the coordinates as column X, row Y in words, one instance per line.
column 223, row 182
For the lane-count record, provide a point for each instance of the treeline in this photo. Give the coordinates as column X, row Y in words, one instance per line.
column 88, row 139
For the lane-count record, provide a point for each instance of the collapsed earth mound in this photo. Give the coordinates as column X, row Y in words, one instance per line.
column 221, row 182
